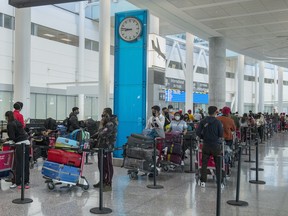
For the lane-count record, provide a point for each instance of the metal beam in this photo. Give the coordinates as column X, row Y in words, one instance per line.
column 71, row 83
column 179, row 40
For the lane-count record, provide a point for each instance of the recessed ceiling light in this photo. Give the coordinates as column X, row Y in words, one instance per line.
column 49, row 35
column 66, row 39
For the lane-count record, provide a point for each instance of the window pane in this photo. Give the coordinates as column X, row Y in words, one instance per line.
column 51, row 106
column 5, row 103
column 61, row 108
column 8, row 22
column 41, row 106
column 87, row 44
column 33, row 106
column 71, row 102
column 1, row 19
column 95, row 109
column 87, row 107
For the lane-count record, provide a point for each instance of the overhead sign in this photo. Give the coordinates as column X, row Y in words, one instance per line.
column 33, row 3
column 172, row 83
column 179, row 96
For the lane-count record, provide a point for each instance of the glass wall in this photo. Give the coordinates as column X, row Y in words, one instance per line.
column 6, row 103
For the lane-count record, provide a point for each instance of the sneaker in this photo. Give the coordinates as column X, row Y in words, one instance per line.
column 27, row 186
column 13, row 186
column 202, row 184
column 107, row 188
column 97, row 185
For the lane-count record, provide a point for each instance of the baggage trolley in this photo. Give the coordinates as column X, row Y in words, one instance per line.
column 6, row 164
column 211, row 166
column 52, row 180
column 170, row 157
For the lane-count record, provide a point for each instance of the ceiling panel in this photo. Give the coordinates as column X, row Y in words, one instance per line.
column 273, row 4
column 234, row 9
column 280, row 16
column 182, row 3
column 215, row 12
column 253, row 6
column 197, row 14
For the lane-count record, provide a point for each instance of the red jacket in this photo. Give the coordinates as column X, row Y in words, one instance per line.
column 19, row 117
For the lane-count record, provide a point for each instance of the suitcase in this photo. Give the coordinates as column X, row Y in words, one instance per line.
column 139, row 142
column 139, row 153
column 61, row 172
column 174, row 158
column 174, row 149
column 173, row 137
column 133, row 163
column 65, row 142
column 141, row 136
column 64, row 157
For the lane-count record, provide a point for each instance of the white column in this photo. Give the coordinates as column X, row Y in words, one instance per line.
column 255, row 68
column 261, row 86
column 275, row 91
column 240, row 84
column 81, row 50
column 154, row 24
column 189, row 72
column 280, row 89
column 104, row 54
column 217, row 72
column 22, row 59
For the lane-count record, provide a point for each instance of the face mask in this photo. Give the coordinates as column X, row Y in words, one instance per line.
column 170, row 110
column 77, row 112
column 177, row 118
column 154, row 114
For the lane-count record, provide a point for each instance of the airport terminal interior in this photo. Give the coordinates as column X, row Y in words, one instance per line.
column 64, row 57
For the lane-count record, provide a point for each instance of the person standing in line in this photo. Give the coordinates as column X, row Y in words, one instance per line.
column 211, row 131
column 18, row 106
column 73, row 122
column 197, row 116
column 191, row 117
column 106, row 138
column 17, row 135
column 165, row 114
column 228, row 126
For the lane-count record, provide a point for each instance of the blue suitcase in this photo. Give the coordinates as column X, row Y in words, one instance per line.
column 65, row 142
column 61, row 172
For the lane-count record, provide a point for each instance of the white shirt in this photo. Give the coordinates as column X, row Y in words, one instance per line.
column 155, row 122
column 197, row 116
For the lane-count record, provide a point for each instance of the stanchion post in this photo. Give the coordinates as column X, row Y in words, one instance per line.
column 249, row 155
column 101, row 209
column 23, row 200
column 154, row 186
column 257, row 181
column 238, row 202
column 219, row 182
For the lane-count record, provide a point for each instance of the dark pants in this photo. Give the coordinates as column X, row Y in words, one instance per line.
column 208, row 150
column 19, row 162
column 261, row 132
column 107, row 168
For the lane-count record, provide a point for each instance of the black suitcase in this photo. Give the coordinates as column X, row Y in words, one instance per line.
column 140, row 153
column 140, row 142
column 133, row 163
column 174, row 149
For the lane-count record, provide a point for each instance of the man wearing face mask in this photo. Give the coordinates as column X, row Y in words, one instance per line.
column 73, row 120
column 156, row 121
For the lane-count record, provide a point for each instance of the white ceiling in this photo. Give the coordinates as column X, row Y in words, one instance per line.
column 256, row 28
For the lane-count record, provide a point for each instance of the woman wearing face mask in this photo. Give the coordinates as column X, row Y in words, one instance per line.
column 178, row 125
column 155, row 124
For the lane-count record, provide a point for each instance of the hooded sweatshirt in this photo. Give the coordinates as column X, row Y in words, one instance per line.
column 210, row 130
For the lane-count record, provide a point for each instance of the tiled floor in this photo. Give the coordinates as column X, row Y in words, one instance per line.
column 180, row 196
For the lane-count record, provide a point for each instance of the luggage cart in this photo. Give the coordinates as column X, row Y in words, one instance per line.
column 211, row 166
column 171, row 154
column 6, row 164
column 57, row 174
column 138, row 155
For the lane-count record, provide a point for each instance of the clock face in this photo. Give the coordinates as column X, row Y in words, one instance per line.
column 130, row 29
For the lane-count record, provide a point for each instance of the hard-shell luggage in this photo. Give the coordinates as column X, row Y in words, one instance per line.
column 64, row 157
column 65, row 142
column 141, row 136
column 133, row 163
column 79, row 135
column 61, row 172
column 140, row 153
column 173, row 149
column 174, row 158
column 139, row 142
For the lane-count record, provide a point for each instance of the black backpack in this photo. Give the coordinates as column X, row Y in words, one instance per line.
column 50, row 124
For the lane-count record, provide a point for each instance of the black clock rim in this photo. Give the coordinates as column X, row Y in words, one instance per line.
column 139, row 33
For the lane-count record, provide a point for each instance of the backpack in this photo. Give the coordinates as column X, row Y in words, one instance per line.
column 66, row 123
column 206, row 127
column 50, row 124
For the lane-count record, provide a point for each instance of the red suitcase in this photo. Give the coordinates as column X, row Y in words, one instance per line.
column 64, row 157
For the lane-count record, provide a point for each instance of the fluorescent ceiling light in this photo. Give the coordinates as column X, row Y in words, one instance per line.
column 49, row 35
column 66, row 39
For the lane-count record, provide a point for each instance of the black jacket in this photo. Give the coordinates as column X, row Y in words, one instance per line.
column 73, row 123
column 16, row 132
column 210, row 130
column 107, row 134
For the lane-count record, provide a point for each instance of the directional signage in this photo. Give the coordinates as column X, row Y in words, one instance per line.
column 33, row 3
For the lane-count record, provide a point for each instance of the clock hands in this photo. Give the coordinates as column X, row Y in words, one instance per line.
column 126, row 29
